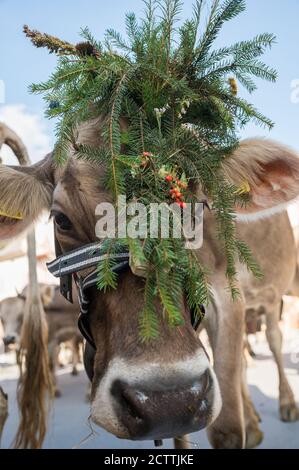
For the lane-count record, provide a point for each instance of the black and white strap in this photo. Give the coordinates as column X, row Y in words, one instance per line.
column 84, row 283
column 80, row 259
column 70, row 264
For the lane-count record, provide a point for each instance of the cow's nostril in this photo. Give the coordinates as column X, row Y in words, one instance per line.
column 9, row 339
column 128, row 399
column 202, row 386
column 130, row 405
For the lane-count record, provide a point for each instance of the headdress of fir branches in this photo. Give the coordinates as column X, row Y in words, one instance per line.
column 179, row 98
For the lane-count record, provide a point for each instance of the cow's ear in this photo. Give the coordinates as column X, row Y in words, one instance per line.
column 24, row 193
column 47, row 294
column 268, row 171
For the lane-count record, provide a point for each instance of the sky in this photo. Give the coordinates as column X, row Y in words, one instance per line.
column 21, row 63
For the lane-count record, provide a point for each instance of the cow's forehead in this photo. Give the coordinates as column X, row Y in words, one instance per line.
column 78, row 171
column 11, row 307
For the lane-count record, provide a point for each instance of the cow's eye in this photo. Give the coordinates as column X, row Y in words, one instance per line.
column 62, row 221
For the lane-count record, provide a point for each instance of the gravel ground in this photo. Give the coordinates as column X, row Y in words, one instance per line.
column 69, row 426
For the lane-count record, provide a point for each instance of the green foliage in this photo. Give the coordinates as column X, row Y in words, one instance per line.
column 173, row 90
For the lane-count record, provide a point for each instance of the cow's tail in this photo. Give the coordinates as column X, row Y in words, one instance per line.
column 3, row 410
column 35, row 387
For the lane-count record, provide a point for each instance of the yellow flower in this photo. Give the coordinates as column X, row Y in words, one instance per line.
column 233, row 85
column 243, row 189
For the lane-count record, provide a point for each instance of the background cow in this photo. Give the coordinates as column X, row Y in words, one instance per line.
column 273, row 245
column 62, row 324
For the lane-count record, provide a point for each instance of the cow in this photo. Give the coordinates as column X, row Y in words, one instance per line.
column 167, row 387
column 12, row 313
column 61, row 319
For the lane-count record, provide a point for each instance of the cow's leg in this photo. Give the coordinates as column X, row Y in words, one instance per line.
column 76, row 356
column 254, row 435
column 53, row 351
column 288, row 408
column 181, row 442
column 248, row 347
column 225, row 328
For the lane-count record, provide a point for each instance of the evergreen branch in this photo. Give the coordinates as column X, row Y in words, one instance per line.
column 51, row 43
column 219, row 15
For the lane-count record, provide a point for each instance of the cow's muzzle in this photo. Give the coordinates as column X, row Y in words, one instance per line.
column 9, row 339
column 159, row 411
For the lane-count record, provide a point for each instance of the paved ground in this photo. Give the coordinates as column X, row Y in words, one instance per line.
column 69, row 426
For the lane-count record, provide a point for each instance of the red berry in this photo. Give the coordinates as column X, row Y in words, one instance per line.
column 169, row 178
column 182, row 204
column 178, row 194
column 147, row 154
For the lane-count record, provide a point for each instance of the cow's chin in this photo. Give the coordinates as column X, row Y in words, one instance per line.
column 156, row 401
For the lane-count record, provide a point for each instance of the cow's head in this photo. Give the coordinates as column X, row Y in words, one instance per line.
column 11, row 315
column 140, row 390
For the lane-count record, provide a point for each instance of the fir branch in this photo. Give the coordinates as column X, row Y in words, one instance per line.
column 148, row 320
column 57, row 46
column 51, row 43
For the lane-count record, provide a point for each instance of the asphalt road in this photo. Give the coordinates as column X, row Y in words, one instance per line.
column 69, row 426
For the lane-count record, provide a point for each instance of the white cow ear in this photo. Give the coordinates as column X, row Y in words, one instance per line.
column 269, row 171
column 24, row 193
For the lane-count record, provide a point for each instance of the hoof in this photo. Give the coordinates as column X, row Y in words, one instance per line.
column 87, row 398
column 289, row 412
column 226, row 440
column 57, row 393
column 259, row 419
column 254, row 437
column 74, row 371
